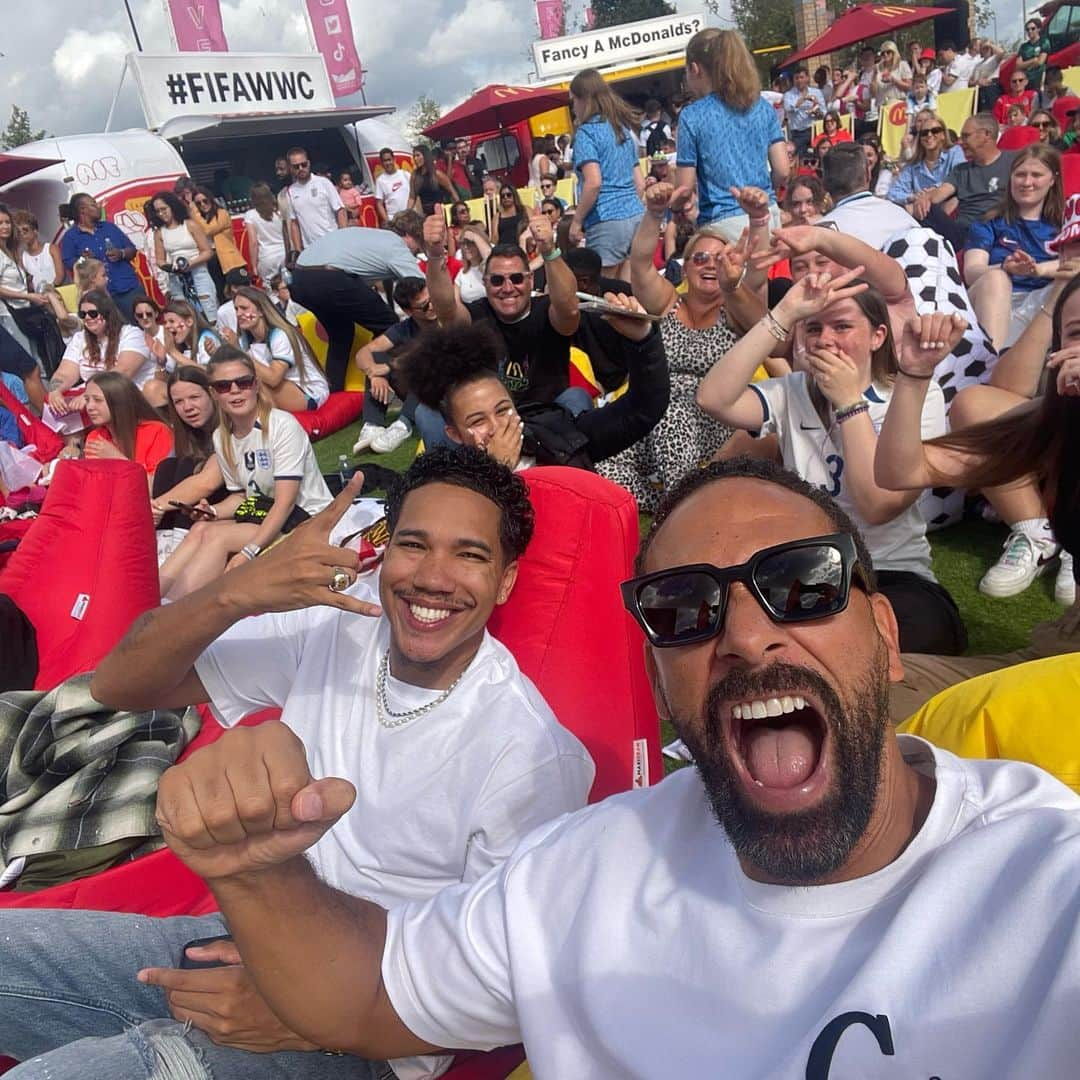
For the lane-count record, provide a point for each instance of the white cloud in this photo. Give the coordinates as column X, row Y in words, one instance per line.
column 82, row 54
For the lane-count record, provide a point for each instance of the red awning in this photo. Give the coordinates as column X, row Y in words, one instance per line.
column 495, row 107
column 12, row 166
column 861, row 23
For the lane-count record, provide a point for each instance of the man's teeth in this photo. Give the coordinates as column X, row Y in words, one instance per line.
column 427, row 614
column 763, row 707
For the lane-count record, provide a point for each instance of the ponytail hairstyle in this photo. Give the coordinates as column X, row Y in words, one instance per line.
column 230, row 354
column 726, row 62
column 442, row 361
column 276, row 321
column 127, row 409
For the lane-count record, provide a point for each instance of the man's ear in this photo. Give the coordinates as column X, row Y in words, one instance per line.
column 506, row 584
column 885, row 620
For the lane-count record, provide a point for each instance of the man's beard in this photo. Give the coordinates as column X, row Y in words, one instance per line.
column 805, row 846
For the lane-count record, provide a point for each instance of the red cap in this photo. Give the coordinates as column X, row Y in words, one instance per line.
column 928, row 54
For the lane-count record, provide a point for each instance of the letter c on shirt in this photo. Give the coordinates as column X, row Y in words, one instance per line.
column 821, row 1053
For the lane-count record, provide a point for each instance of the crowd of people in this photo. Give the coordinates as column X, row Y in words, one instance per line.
column 799, row 353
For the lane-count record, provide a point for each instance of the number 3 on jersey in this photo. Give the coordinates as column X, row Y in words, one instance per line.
column 835, row 464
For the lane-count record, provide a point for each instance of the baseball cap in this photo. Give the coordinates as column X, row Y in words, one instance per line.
column 1070, row 225
column 928, row 54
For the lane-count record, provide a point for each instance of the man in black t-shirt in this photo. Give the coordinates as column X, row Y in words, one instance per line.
column 597, row 338
column 536, row 332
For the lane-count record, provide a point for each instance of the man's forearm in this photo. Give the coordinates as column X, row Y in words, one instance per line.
column 316, row 957
column 562, row 288
column 441, row 290
column 157, row 653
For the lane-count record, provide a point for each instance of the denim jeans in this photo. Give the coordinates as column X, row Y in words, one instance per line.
column 575, row 400
column 204, row 289
column 431, row 427
column 72, row 1009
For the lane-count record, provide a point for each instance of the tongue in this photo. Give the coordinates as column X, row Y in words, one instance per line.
column 781, row 758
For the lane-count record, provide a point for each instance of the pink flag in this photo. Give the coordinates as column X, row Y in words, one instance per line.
column 549, row 15
column 332, row 28
column 197, row 25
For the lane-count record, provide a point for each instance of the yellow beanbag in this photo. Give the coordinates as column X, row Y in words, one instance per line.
column 1024, row 713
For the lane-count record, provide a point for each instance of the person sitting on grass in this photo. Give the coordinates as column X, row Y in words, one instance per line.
column 455, row 752
column 456, row 371
column 269, row 468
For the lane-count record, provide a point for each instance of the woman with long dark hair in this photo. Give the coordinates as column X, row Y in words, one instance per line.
column 729, row 136
column 182, row 250
column 430, row 186
column 123, row 423
column 512, row 219
column 1007, row 266
column 825, row 415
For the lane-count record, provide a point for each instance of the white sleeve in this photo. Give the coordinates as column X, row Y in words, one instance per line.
column 773, row 395
column 75, row 348
column 933, row 413
column 280, row 348
column 253, row 664
column 335, row 199
column 290, row 446
column 133, row 340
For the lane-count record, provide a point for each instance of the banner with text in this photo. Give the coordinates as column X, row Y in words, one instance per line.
column 196, row 25
column 331, row 27
column 549, row 18
column 200, row 84
column 599, row 48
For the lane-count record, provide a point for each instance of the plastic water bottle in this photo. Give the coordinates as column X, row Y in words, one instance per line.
column 343, row 469
column 110, row 247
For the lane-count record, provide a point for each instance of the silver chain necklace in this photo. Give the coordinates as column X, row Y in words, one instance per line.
column 390, row 719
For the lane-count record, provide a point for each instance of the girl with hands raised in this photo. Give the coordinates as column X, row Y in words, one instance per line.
column 825, row 416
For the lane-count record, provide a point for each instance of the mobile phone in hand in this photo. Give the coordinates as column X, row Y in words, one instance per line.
column 191, row 511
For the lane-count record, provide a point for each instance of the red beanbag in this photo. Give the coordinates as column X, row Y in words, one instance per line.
column 337, row 411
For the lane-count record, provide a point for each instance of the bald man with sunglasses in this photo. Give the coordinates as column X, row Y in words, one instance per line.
column 870, row 905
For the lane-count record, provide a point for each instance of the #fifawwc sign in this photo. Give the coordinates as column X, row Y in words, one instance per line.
column 331, row 28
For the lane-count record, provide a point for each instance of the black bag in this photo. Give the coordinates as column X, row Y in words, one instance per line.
column 43, row 332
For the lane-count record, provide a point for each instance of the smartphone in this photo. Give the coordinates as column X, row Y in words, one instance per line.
column 194, row 511
column 189, row 964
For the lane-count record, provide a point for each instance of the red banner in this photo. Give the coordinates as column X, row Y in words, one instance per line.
column 549, row 17
column 332, row 30
column 196, row 25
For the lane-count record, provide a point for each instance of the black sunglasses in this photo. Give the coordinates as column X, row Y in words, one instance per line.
column 1040, row 123
column 793, row 582
column 931, row 131
column 223, row 386
column 91, row 313
column 498, row 280
column 299, row 164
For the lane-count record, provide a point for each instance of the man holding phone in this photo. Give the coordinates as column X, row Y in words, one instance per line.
column 456, row 755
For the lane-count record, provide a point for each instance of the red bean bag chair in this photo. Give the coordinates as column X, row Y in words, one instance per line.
column 1061, row 108
column 1070, row 170
column 1016, row 138
column 566, row 626
column 87, row 567
column 47, row 444
column 339, row 410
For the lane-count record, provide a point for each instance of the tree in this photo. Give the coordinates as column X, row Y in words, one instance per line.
column 764, row 23
column 423, row 114
column 617, row 12
column 18, row 130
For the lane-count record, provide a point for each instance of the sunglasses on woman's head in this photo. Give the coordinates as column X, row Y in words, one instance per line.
column 90, row 313
column 794, row 582
column 498, row 280
column 223, row 386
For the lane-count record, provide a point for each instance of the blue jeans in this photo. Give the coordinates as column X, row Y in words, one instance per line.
column 431, row 427
column 204, row 289
column 575, row 400
column 72, row 1009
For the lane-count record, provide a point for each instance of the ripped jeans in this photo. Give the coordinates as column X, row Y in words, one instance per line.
column 72, row 1009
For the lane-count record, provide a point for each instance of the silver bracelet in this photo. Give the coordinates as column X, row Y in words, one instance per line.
column 250, row 550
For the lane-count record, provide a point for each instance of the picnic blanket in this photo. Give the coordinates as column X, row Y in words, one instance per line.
column 76, row 776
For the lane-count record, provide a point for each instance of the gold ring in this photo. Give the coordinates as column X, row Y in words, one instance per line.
column 341, row 580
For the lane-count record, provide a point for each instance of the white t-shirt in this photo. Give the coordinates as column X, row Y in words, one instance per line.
column 278, row 347
column 470, row 283
column 12, row 277
column 131, row 339
column 962, row 67
column 875, row 221
column 39, row 268
column 625, row 941
column 818, row 457
column 440, row 800
column 226, row 317
column 271, row 245
column 393, row 190
column 933, row 80
column 286, row 455
column 314, row 206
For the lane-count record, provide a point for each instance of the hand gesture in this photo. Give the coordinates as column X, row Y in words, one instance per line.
column 927, row 340
column 103, row 450
column 577, row 233
column 505, row 444
column 1066, row 362
column 920, row 206
column 542, row 233
column 435, row 236
column 785, row 242
column 634, row 329
column 223, row 1002
column 752, row 200
column 228, row 335
column 297, row 572
column 1019, row 264
column 837, row 375
column 731, row 262
column 379, row 388
column 247, row 802
column 814, row 293
column 38, row 299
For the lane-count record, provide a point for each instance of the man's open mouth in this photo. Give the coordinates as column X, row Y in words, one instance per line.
column 779, row 743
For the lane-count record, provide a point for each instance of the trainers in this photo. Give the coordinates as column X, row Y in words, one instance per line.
column 390, row 438
column 1065, row 585
column 367, row 436
column 1023, row 561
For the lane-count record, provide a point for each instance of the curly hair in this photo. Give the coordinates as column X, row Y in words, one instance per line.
column 470, row 468
column 438, row 362
column 179, row 210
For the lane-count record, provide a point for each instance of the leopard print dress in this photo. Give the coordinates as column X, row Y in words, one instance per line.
column 685, row 437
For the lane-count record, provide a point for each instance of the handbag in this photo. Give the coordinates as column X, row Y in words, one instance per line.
column 41, row 330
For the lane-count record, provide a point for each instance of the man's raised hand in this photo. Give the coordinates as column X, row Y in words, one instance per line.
column 436, row 232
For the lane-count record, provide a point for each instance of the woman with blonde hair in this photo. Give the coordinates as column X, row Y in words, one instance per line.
column 728, row 133
column 269, row 469
column 1007, row 264
column 606, row 161
column 934, row 157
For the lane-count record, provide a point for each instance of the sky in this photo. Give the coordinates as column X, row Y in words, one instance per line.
column 65, row 70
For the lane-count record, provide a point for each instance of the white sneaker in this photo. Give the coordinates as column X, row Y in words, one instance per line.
column 1023, row 561
column 367, row 437
column 390, row 438
column 1065, row 585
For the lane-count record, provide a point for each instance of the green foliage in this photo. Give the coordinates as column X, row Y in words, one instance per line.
column 616, row 12
column 18, row 132
column 423, row 114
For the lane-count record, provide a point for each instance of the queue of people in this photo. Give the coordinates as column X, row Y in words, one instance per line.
column 789, row 363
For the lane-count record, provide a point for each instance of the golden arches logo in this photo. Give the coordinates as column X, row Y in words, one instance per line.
column 508, row 92
column 891, row 12
column 898, row 113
